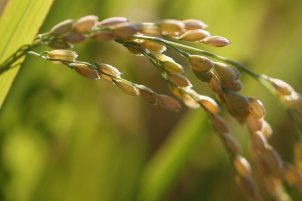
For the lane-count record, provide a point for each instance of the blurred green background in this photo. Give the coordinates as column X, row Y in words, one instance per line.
column 67, row 138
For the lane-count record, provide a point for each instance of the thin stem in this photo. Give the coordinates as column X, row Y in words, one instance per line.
column 66, row 62
column 69, row 63
column 178, row 47
column 19, row 53
column 15, row 56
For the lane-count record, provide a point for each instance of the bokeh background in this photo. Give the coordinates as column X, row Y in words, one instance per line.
column 67, row 138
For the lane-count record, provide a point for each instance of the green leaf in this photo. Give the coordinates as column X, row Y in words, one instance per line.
column 172, row 157
column 19, row 23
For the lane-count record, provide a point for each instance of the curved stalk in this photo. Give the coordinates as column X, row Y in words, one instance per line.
column 19, row 53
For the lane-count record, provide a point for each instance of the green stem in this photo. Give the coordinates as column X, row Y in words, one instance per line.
column 69, row 64
column 179, row 47
column 19, row 53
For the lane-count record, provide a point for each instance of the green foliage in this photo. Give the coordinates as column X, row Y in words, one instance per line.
column 19, row 24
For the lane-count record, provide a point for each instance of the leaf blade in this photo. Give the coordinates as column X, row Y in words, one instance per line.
column 19, row 24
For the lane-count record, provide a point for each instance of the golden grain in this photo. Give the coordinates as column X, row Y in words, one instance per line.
column 220, row 124
column 258, row 141
column 242, row 166
column 175, row 90
column 281, row 87
column 179, row 80
column 112, row 21
column 191, row 24
column 108, row 70
column 74, row 37
column 254, row 124
column 225, row 73
column 127, row 88
column 172, row 67
column 171, row 27
column 189, row 101
column 150, row 29
column 86, row 71
column 214, row 84
column 266, row 130
column 200, row 63
column 194, row 35
column 236, row 104
column 153, row 46
column 168, row 102
column 256, row 108
column 85, row 24
column 209, row 104
column 61, row 28
column 124, row 30
column 66, row 55
column 203, row 76
column 147, row 94
column 234, row 86
column 102, row 35
column 216, row 41
column 161, row 57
